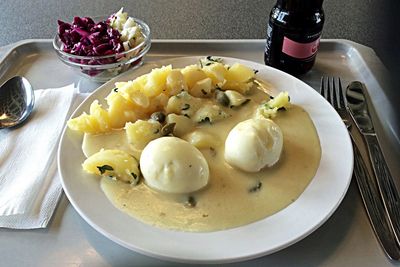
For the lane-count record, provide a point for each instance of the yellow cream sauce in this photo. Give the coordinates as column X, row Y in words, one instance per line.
column 232, row 198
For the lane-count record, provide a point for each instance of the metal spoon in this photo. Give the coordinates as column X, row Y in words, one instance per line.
column 16, row 101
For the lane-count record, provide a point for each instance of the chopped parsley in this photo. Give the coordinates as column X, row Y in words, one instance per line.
column 255, row 188
column 105, row 168
column 186, row 106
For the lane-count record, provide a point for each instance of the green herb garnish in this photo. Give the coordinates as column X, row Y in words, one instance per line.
column 105, row 168
column 255, row 188
column 205, row 119
column 186, row 106
column 210, row 58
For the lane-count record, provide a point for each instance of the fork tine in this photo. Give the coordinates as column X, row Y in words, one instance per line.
column 325, row 88
column 341, row 95
column 321, row 89
column 335, row 102
column 331, row 90
column 328, row 93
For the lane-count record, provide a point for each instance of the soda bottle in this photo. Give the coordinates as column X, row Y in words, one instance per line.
column 293, row 35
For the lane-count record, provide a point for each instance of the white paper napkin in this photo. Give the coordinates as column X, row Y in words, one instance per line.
column 29, row 184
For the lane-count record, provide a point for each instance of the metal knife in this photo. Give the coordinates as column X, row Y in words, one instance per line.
column 357, row 105
column 373, row 204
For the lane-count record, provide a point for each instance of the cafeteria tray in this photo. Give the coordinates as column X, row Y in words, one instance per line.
column 36, row 60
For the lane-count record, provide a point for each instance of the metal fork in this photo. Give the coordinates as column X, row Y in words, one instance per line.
column 331, row 89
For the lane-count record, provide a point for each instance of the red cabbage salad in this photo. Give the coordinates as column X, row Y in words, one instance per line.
column 85, row 37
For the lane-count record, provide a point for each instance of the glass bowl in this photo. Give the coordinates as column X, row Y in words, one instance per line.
column 104, row 68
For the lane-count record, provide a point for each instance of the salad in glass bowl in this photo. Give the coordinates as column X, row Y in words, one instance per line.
column 102, row 48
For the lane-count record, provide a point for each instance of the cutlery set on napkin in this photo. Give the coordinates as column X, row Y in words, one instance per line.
column 29, row 184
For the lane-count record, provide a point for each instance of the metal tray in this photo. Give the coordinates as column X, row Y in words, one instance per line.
column 36, row 60
column 70, row 241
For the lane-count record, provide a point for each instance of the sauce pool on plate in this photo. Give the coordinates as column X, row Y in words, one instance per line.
column 232, row 198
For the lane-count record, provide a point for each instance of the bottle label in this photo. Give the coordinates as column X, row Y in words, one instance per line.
column 300, row 50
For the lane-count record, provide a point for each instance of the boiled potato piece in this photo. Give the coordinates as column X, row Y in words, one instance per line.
column 239, row 73
column 209, row 113
column 280, row 101
column 201, row 139
column 235, row 98
column 156, row 81
column 176, row 82
column 97, row 122
column 270, row 109
column 101, row 115
column 157, row 103
column 121, row 110
column 193, row 74
column 216, row 71
column 241, row 87
column 84, row 123
column 117, row 164
column 183, row 104
column 266, row 112
column 141, row 132
column 139, row 99
column 133, row 91
column 141, row 80
column 202, row 88
column 127, row 88
column 183, row 124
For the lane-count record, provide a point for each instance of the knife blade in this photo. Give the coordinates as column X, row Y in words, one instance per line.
column 373, row 205
column 358, row 108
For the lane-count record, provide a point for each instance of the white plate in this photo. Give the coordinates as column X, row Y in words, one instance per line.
column 315, row 205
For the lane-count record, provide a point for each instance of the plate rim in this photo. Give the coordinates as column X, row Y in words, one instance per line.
column 196, row 258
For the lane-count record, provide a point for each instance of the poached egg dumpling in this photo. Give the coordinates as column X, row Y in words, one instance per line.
column 172, row 165
column 254, row 144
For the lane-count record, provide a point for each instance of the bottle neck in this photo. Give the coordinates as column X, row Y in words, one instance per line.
column 300, row 5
